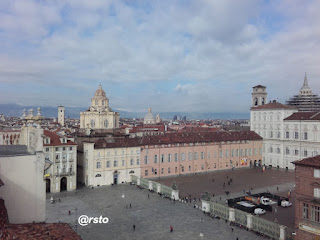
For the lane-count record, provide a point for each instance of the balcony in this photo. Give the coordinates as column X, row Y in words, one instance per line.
column 64, row 174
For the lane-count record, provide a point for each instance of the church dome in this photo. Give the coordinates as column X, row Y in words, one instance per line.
column 100, row 92
column 149, row 118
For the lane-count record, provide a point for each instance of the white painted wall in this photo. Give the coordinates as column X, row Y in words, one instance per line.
column 24, row 188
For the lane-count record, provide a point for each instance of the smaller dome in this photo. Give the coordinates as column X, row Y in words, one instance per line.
column 149, row 118
column 100, row 92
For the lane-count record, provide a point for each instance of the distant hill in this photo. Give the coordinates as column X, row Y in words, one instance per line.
column 14, row 110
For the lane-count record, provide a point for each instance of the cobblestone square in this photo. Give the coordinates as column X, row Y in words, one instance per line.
column 152, row 216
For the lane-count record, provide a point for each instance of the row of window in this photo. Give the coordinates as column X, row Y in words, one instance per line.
column 292, row 152
column 296, row 135
column 96, row 102
column 116, row 153
column 64, row 169
column 264, row 117
column 63, row 140
column 155, row 171
column 315, row 212
column 277, row 134
column 63, row 157
column 194, row 156
column 60, row 149
column 194, row 144
column 115, row 163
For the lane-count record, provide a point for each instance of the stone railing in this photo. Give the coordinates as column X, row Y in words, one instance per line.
column 156, row 187
column 253, row 223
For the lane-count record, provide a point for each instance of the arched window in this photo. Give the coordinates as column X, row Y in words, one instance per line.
column 131, row 172
column 262, row 102
column 96, row 102
column 256, row 101
column 106, row 123
column 92, row 123
column 98, row 175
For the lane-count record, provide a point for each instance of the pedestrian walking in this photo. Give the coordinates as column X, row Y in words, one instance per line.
column 69, row 212
column 171, row 229
column 231, row 229
column 148, row 195
column 134, row 227
column 130, row 205
column 59, row 200
column 174, row 200
column 277, row 188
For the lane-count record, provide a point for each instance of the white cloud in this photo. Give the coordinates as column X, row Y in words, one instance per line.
column 219, row 46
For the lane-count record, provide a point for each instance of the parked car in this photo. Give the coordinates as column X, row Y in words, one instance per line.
column 259, row 211
column 285, row 203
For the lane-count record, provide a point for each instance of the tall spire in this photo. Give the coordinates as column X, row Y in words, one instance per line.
column 305, row 82
column 305, row 90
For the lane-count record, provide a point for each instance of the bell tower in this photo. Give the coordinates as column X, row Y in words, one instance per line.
column 259, row 96
column 61, row 115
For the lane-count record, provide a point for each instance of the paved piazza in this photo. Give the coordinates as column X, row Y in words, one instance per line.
column 242, row 179
column 153, row 216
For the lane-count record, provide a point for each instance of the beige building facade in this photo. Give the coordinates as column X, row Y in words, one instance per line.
column 106, row 164
column 99, row 115
column 177, row 158
column 61, row 151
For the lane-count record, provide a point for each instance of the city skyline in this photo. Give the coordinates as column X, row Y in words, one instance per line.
column 187, row 56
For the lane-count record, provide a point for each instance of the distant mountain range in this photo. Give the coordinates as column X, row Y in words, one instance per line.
column 14, row 110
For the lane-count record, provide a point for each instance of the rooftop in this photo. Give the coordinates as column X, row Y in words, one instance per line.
column 172, row 138
column 273, row 105
column 40, row 231
column 311, row 116
column 55, row 139
column 309, row 162
column 259, row 86
column 13, row 150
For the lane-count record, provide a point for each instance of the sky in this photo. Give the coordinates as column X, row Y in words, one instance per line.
column 184, row 55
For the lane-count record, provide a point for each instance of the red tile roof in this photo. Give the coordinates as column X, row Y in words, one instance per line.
column 311, row 116
column 55, row 139
column 31, row 231
column 184, row 137
column 198, row 129
column 273, row 105
column 310, row 162
column 40, row 231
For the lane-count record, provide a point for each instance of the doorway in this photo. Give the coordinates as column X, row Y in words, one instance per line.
column 48, row 184
column 115, row 178
column 63, row 184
